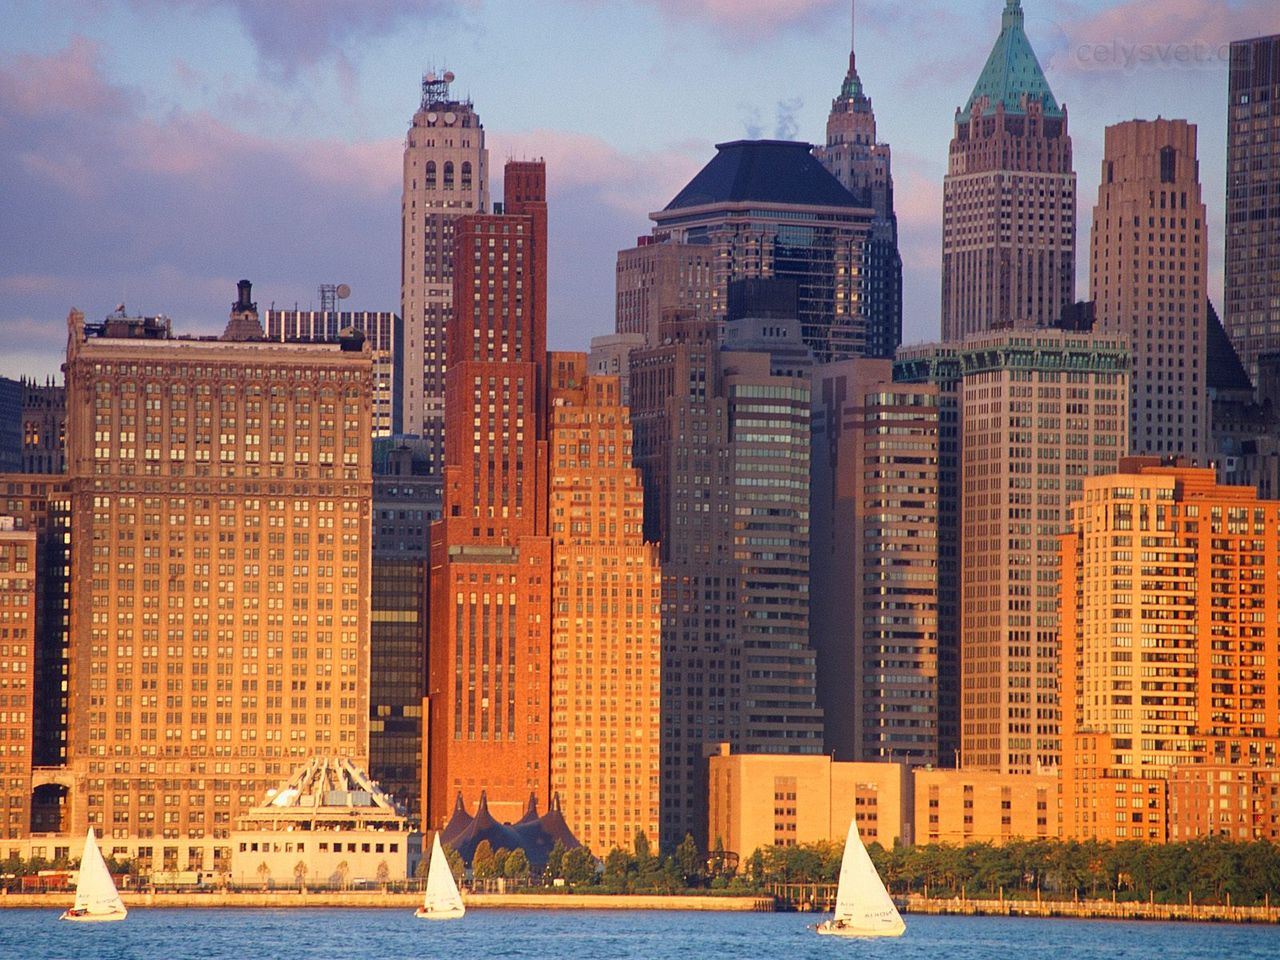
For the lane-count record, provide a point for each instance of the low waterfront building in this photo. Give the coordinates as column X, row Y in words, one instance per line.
column 974, row 806
column 772, row 800
column 328, row 824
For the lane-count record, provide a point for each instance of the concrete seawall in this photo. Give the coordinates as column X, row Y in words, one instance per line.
column 1095, row 910
column 401, row 901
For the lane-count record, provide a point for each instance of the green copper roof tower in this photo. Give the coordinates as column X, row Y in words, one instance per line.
column 1012, row 74
column 863, row 165
column 1009, row 198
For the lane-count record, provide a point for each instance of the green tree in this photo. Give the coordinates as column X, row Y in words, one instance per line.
column 516, row 866
column 555, row 861
column 620, row 869
column 690, row 862
column 500, row 861
column 457, row 866
column 579, row 866
column 482, row 861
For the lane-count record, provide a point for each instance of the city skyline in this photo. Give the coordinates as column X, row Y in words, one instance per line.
column 142, row 174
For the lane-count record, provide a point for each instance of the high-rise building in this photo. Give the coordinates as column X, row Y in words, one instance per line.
column 758, row 209
column 403, row 511
column 939, row 364
column 41, row 504
column 1009, row 198
column 381, row 330
column 490, row 654
column 18, row 563
column 658, row 278
column 1252, row 303
column 1147, row 279
column 1168, row 614
column 446, row 175
column 864, row 167
column 874, row 562
column 722, row 444
column 220, row 559
column 44, row 427
column 611, row 357
column 606, row 646
column 11, row 447
column 1041, row 410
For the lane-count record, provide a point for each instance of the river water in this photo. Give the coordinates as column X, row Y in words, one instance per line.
column 319, row 934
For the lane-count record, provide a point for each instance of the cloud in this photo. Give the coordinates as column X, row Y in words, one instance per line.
column 104, row 203
column 290, row 34
column 757, row 19
column 1171, row 34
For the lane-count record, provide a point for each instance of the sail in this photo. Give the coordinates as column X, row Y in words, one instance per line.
column 862, row 902
column 96, row 891
column 442, row 897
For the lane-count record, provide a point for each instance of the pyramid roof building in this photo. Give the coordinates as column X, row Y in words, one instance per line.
column 1012, row 75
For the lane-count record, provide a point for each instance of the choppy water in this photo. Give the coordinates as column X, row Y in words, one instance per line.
column 315, row 934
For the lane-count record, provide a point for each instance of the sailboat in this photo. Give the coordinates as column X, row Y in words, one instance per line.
column 442, row 900
column 863, row 905
column 97, row 900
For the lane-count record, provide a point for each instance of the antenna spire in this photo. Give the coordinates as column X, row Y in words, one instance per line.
column 853, row 30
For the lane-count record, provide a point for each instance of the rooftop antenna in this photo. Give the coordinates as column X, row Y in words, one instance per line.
column 330, row 294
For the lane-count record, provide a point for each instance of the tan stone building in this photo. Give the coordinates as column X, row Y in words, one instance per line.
column 446, row 175
column 656, row 279
column 765, row 800
column 1009, row 198
column 1040, row 411
column 221, row 493
column 1147, row 275
column 17, row 675
column 874, row 562
column 1169, row 603
column 971, row 806
column 606, row 639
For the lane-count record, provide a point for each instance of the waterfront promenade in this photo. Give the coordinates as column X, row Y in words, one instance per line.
column 273, row 899
column 951, row 906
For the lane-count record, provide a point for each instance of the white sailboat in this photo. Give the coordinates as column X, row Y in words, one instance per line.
column 863, row 905
column 442, row 900
column 97, row 900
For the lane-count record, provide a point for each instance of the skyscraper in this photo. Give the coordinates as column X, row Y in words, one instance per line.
column 1041, row 410
column 864, row 167
column 1009, row 198
column 18, row 560
column 1147, row 279
column 874, row 562
column 380, row 328
column 1252, row 303
column 722, row 443
column 607, row 627
column 1168, row 613
column 220, row 502
column 763, row 209
column 939, row 364
column 446, row 175
column 490, row 652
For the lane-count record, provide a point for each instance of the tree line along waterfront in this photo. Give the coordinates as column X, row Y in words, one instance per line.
column 1204, row 871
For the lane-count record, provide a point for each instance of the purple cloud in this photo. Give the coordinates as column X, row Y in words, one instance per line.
column 290, row 34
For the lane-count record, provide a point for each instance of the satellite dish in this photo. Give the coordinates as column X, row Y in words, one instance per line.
column 448, row 76
column 431, row 78
column 343, row 291
column 449, row 118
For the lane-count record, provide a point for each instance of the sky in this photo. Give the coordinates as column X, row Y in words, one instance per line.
column 154, row 152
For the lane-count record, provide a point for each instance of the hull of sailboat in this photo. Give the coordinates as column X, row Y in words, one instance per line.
column 94, row 917
column 454, row 914
column 826, row 929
